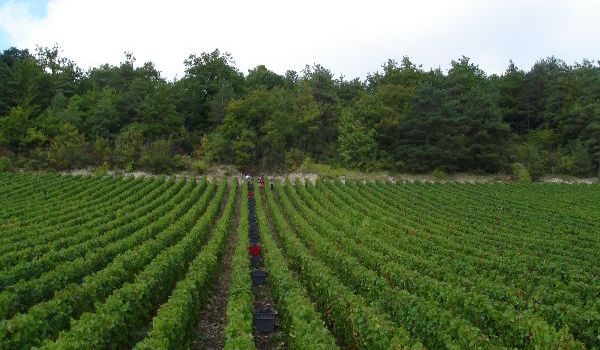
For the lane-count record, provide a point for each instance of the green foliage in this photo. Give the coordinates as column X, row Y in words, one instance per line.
column 363, row 265
column 18, row 130
column 430, row 138
column 24, row 81
column 102, row 170
column 294, row 158
column 439, row 174
column 103, row 150
column 158, row 113
column 158, row 157
column 240, row 305
column 68, row 149
column 104, row 118
column 182, row 162
column 309, row 166
column 129, row 144
column 175, row 322
column 64, row 110
column 511, row 102
column 127, row 308
column 357, row 144
column 255, row 127
column 166, row 203
column 5, row 164
column 521, row 173
column 484, row 310
column 577, row 162
column 356, row 323
column 303, row 324
column 200, row 166
column 529, row 156
column 261, row 77
column 400, row 118
column 210, row 81
column 244, row 149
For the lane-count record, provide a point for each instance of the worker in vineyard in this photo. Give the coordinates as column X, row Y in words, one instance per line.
column 262, row 182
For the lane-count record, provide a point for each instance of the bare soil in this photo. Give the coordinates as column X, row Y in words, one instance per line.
column 267, row 341
column 213, row 318
column 263, row 299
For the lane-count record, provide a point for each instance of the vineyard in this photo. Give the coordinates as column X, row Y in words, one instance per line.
column 99, row 262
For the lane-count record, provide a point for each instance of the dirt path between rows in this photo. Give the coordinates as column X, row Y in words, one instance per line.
column 267, row 341
column 262, row 300
column 213, row 318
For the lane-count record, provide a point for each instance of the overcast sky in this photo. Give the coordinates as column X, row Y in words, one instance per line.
column 349, row 37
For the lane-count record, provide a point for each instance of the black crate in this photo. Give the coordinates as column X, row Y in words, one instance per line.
column 259, row 276
column 265, row 320
column 256, row 261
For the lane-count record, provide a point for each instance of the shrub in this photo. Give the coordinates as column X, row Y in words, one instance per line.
column 520, row 173
column 68, row 149
column 5, row 164
column 294, row 157
column 102, row 150
column 102, row 170
column 439, row 174
column 325, row 170
column 128, row 167
column 183, row 162
column 158, row 157
column 531, row 157
column 128, row 147
column 200, row 166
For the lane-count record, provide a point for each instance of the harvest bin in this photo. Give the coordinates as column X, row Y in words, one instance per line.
column 253, row 227
column 259, row 276
column 256, row 261
column 265, row 319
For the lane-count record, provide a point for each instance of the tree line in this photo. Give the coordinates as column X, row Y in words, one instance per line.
column 402, row 118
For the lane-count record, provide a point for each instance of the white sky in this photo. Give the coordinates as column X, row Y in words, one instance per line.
column 349, row 37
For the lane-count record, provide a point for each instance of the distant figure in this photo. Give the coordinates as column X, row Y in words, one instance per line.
column 262, row 182
column 272, row 186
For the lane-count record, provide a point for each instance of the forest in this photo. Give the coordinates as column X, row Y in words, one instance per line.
column 55, row 115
